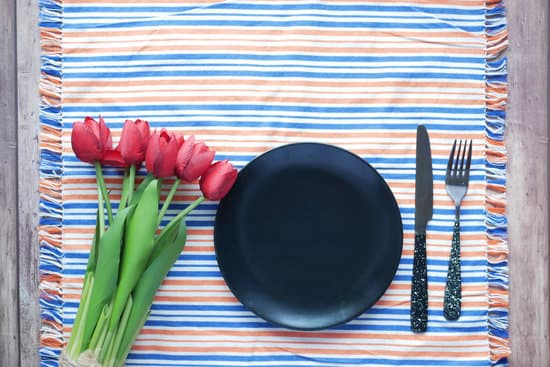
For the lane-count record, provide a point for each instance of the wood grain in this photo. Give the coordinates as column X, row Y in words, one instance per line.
column 528, row 200
column 9, row 309
column 28, row 77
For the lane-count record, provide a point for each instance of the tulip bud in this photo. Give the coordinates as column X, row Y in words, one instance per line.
column 90, row 140
column 201, row 158
column 184, row 155
column 133, row 141
column 160, row 158
column 218, row 180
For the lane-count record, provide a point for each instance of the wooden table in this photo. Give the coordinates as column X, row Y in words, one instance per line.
column 527, row 135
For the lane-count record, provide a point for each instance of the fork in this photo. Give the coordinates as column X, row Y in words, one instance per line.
column 456, row 182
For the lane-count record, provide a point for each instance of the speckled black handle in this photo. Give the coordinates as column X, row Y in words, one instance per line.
column 453, row 288
column 419, row 290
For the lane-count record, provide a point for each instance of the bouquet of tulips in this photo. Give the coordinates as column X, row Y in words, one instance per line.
column 130, row 255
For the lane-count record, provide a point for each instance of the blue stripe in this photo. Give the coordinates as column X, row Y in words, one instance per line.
column 348, row 69
column 308, row 126
column 291, row 108
column 348, row 74
column 374, row 160
column 192, row 257
column 480, row 11
column 217, row 274
column 298, row 358
column 476, row 62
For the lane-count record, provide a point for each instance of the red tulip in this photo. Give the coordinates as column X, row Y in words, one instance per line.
column 91, row 139
column 162, row 149
column 218, row 180
column 184, row 155
column 133, row 141
column 200, row 160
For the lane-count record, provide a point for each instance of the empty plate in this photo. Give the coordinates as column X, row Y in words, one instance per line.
column 309, row 237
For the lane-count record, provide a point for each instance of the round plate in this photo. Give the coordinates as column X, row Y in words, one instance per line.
column 309, row 237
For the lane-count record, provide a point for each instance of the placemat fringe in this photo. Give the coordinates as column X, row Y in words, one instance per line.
column 51, row 302
column 496, row 224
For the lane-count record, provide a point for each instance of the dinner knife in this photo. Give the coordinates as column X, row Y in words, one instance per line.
column 423, row 213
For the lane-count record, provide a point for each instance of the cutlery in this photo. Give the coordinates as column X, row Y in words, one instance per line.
column 423, row 213
column 456, row 182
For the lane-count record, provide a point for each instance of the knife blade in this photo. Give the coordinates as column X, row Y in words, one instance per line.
column 423, row 214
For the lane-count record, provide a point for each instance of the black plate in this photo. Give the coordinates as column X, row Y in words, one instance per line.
column 309, row 237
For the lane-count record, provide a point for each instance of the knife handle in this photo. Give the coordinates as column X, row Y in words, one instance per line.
column 419, row 290
column 453, row 292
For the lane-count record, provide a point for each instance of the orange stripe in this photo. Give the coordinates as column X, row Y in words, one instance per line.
column 262, row 49
column 331, row 342
column 70, row 35
column 277, row 99
column 425, row 337
column 433, row 304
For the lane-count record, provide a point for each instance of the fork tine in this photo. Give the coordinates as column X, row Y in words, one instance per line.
column 451, row 156
column 462, row 159
column 455, row 169
column 468, row 161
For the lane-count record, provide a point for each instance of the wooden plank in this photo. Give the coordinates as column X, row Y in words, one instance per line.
column 28, row 77
column 9, row 334
column 528, row 200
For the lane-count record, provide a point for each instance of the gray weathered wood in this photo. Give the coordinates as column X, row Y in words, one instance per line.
column 9, row 309
column 528, row 200
column 28, row 76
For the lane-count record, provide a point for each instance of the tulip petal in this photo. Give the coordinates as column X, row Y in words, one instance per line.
column 152, row 151
column 166, row 160
column 218, row 180
column 184, row 155
column 132, row 146
column 85, row 142
column 201, row 159
column 113, row 158
column 105, row 135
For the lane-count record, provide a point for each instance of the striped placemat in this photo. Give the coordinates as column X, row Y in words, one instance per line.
column 248, row 76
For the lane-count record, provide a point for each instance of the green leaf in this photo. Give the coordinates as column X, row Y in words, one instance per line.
column 106, row 274
column 92, row 258
column 141, row 188
column 138, row 244
column 166, row 238
column 148, row 285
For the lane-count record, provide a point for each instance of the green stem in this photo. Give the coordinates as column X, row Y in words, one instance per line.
column 106, row 343
column 168, row 200
column 124, row 194
column 103, row 188
column 75, row 348
column 101, row 340
column 73, row 342
column 100, row 211
column 182, row 214
column 115, row 345
column 124, row 353
column 132, row 179
column 101, row 326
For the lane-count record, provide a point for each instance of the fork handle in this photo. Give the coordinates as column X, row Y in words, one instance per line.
column 419, row 289
column 453, row 291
